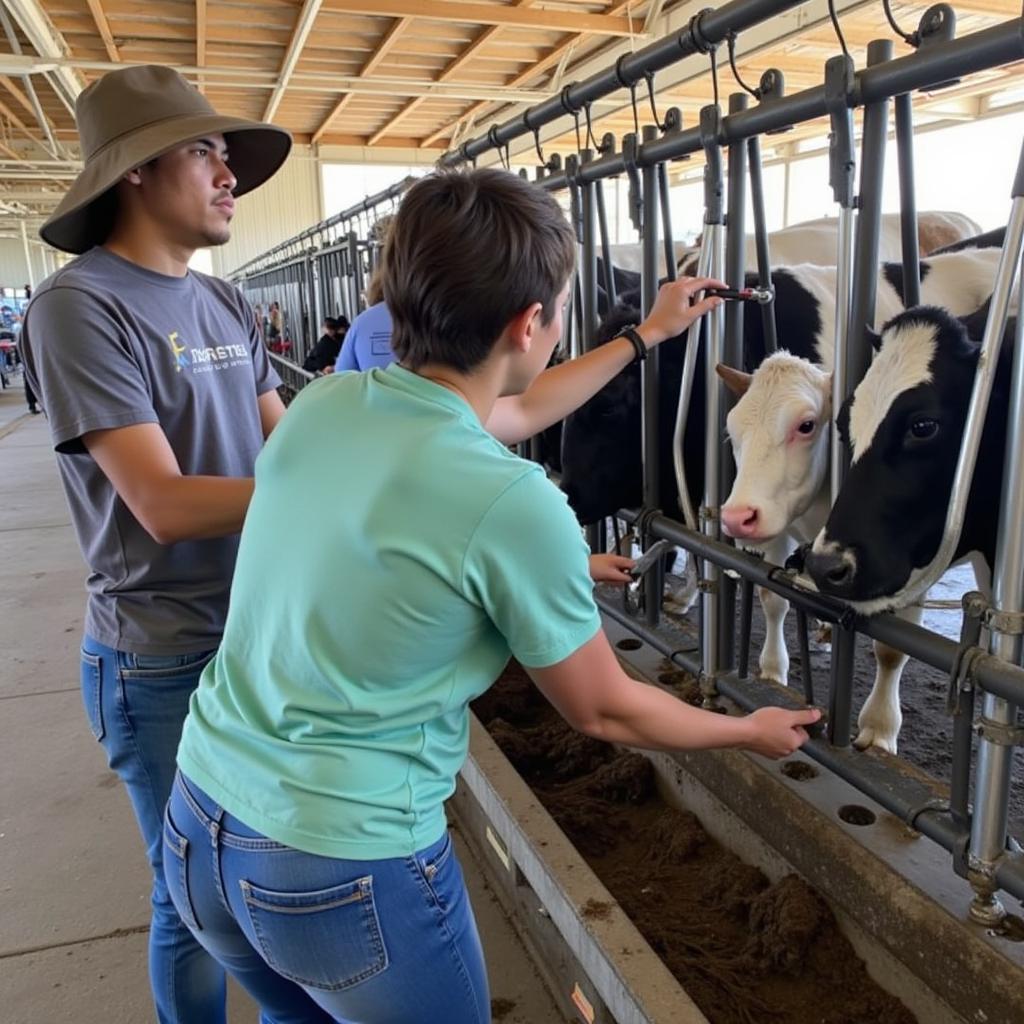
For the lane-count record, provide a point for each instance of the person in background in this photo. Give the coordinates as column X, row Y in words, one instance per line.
column 158, row 400
column 306, row 826
column 367, row 342
column 322, row 356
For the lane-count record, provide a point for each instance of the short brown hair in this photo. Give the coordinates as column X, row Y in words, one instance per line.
column 467, row 251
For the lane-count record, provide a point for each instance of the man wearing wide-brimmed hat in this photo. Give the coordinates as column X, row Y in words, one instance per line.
column 159, row 395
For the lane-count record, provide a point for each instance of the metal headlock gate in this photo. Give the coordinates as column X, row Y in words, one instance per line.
column 976, row 837
column 320, row 272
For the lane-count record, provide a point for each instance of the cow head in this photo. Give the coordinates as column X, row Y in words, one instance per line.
column 779, row 431
column 903, row 425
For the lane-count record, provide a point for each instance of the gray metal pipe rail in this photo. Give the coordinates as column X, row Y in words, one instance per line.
column 991, row 47
column 706, row 29
column 908, row 798
column 364, row 206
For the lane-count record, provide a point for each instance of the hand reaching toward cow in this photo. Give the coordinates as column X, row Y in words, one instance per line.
column 610, row 568
column 777, row 732
column 676, row 308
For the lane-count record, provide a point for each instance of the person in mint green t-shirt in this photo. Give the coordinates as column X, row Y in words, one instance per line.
column 305, row 841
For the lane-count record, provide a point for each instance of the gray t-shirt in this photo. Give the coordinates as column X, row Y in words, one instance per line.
column 110, row 344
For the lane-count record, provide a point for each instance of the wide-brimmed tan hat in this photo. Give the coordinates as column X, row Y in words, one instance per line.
column 128, row 117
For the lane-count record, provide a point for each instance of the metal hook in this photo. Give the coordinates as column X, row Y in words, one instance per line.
column 536, row 143
column 649, row 77
column 731, row 42
column 590, row 130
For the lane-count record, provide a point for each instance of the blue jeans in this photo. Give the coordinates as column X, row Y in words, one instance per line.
column 136, row 704
column 317, row 939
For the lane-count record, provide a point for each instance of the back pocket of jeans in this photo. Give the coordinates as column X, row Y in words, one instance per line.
column 327, row 939
column 92, row 693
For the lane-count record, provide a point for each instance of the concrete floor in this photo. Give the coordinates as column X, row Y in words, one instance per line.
column 73, row 878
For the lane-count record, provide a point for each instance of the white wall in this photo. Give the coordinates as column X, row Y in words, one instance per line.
column 282, row 207
column 13, row 269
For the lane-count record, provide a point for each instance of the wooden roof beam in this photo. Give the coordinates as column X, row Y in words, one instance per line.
column 303, row 26
column 398, row 26
column 485, row 37
column 488, row 14
column 550, row 60
column 200, row 33
column 103, row 27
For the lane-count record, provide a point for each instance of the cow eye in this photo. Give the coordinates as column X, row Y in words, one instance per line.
column 923, row 429
column 806, row 427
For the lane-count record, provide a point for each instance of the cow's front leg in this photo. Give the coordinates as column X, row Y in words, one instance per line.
column 880, row 718
column 774, row 660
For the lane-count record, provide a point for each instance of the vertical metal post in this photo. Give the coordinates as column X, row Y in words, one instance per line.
column 355, row 281
column 714, row 234
column 839, row 83
column 588, row 283
column 606, row 251
column 904, row 111
column 999, row 717
column 654, row 581
column 858, row 354
column 764, row 263
column 668, row 239
column 588, row 261
column 732, row 352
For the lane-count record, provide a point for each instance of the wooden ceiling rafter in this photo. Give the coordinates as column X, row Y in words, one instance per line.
column 103, row 27
column 390, row 37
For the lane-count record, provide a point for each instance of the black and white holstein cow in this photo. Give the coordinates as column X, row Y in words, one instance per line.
column 601, row 469
column 903, row 425
column 780, row 498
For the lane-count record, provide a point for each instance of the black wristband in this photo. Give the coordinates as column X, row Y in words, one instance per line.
column 631, row 334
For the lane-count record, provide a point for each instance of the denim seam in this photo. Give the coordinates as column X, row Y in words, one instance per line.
column 370, row 919
column 98, row 729
column 443, row 927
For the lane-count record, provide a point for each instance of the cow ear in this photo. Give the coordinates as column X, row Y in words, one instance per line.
column 736, row 381
column 873, row 336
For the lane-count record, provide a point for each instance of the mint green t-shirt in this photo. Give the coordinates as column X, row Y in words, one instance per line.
column 393, row 556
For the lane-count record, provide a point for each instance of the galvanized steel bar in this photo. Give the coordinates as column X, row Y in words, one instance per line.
column 764, row 264
column 999, row 717
column 904, row 112
column 707, row 29
column 654, row 580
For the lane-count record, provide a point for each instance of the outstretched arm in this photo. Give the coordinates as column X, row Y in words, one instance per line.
column 560, row 390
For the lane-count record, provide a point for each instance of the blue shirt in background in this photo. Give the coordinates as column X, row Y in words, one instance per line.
column 368, row 341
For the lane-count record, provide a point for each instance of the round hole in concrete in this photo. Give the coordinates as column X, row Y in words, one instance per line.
column 854, row 814
column 800, row 771
column 629, row 644
column 673, row 678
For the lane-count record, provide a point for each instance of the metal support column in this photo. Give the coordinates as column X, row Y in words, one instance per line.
column 997, row 727
column 904, row 112
column 714, row 237
column 588, row 283
column 732, row 353
column 654, row 580
column 858, row 353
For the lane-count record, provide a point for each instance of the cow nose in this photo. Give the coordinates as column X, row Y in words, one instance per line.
column 833, row 571
column 740, row 520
